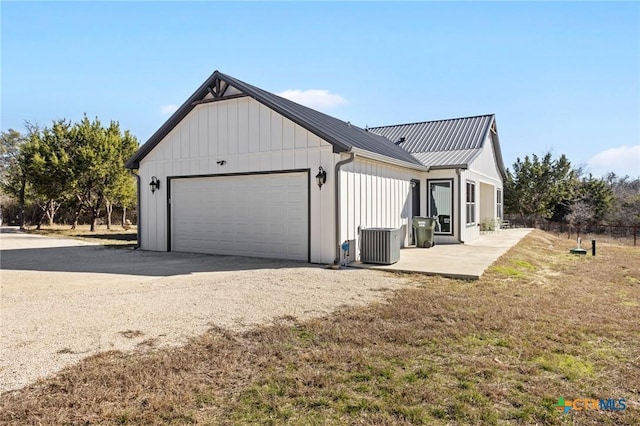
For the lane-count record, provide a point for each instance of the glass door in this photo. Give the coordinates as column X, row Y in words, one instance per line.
column 441, row 205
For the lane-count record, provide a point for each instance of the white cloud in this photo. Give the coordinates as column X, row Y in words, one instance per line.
column 314, row 98
column 623, row 160
column 168, row 109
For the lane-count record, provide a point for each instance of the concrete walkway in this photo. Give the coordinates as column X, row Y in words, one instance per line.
column 463, row 261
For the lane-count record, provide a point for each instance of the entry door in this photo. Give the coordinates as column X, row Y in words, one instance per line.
column 441, row 205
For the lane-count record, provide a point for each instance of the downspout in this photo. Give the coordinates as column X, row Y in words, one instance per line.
column 459, row 206
column 138, row 219
column 339, row 164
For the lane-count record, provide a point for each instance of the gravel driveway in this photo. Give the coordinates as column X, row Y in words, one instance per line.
column 63, row 300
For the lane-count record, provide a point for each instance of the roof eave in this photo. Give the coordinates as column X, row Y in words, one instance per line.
column 449, row 166
column 497, row 152
column 385, row 159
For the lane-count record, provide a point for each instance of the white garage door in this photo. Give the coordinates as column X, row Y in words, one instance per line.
column 263, row 215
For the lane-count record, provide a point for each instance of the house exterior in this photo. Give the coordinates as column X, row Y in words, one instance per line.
column 237, row 170
column 464, row 182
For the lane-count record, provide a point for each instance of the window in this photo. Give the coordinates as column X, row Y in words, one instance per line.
column 499, row 204
column 471, row 203
column 441, row 205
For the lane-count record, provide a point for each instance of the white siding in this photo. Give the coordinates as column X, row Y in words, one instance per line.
column 485, row 164
column 250, row 138
column 375, row 195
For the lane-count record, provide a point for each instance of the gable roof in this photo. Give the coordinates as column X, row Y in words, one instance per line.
column 342, row 135
column 444, row 144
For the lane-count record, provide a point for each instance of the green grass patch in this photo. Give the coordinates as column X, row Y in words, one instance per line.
column 571, row 367
column 508, row 271
column 632, row 280
column 523, row 264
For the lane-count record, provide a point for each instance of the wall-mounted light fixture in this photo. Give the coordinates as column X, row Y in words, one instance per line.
column 155, row 184
column 321, row 177
column 221, row 162
column 413, row 183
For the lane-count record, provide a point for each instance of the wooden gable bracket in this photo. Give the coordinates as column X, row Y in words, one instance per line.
column 217, row 89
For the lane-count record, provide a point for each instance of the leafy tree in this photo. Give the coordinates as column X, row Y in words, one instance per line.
column 14, row 166
column 626, row 200
column 122, row 193
column 597, row 196
column 10, row 143
column 50, row 170
column 540, row 188
column 99, row 155
column 79, row 165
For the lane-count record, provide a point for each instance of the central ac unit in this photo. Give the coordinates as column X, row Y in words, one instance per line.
column 380, row 245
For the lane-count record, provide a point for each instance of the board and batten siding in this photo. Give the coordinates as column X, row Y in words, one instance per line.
column 249, row 137
column 375, row 195
column 485, row 165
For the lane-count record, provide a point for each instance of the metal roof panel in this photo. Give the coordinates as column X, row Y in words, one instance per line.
column 447, row 143
column 442, row 135
column 457, row 158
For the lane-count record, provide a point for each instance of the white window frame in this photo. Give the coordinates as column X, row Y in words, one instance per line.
column 470, row 202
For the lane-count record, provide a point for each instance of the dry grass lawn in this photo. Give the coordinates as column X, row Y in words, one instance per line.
column 117, row 236
column 539, row 325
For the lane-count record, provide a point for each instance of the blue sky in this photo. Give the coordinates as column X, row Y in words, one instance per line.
column 563, row 77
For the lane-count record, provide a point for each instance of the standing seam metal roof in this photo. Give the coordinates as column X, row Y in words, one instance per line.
column 441, row 135
column 445, row 143
column 342, row 135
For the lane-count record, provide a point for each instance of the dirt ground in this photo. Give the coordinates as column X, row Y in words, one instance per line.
column 62, row 300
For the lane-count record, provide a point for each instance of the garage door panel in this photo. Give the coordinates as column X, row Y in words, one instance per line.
column 249, row 215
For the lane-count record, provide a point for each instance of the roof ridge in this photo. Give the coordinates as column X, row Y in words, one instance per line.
column 433, row 121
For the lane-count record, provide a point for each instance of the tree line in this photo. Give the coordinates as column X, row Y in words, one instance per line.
column 70, row 169
column 543, row 189
column 76, row 170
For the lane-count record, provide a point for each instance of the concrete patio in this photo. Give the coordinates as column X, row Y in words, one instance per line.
column 462, row 261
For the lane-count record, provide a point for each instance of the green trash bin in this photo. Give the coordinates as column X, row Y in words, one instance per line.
column 423, row 228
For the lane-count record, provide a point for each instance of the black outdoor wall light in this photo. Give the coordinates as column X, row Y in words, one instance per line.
column 155, row 184
column 321, row 177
